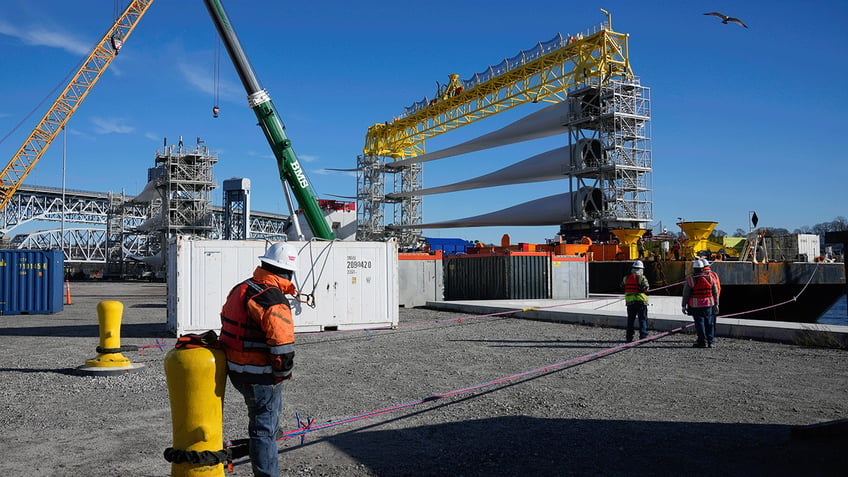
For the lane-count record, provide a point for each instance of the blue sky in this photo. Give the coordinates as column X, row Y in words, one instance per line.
column 742, row 119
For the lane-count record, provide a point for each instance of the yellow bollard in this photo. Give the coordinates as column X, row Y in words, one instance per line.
column 196, row 380
column 109, row 360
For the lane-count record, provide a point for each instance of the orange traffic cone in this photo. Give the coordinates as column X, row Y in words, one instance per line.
column 67, row 292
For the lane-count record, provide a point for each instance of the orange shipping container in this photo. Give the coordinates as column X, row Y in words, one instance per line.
column 609, row 252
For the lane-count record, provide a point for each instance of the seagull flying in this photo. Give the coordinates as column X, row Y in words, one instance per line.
column 725, row 18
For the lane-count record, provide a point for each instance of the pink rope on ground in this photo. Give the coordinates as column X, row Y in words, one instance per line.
column 304, row 430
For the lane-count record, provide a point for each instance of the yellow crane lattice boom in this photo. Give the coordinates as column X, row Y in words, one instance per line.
column 54, row 120
column 600, row 56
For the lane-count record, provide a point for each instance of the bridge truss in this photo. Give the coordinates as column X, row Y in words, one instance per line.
column 90, row 243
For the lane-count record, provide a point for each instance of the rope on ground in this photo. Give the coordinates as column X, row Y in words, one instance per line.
column 159, row 344
column 305, row 429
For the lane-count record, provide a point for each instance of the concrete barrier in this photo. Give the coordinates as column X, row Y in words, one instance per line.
column 664, row 314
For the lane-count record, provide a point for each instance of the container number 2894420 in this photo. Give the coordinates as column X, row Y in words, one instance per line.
column 353, row 264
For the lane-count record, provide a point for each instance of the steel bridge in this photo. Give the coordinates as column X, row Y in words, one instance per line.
column 90, row 212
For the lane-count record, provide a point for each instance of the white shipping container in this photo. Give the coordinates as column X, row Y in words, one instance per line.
column 569, row 277
column 420, row 280
column 808, row 247
column 793, row 248
column 354, row 283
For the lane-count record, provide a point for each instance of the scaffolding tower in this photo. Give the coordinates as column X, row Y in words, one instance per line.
column 115, row 233
column 371, row 197
column 186, row 185
column 617, row 114
column 408, row 211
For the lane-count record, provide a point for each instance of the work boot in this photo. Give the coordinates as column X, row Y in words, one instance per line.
column 699, row 345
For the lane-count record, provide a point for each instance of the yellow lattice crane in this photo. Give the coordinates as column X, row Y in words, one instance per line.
column 543, row 73
column 54, row 120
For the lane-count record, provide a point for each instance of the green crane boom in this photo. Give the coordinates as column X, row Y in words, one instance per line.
column 271, row 124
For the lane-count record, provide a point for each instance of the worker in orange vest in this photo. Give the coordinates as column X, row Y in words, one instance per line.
column 714, row 276
column 257, row 333
column 700, row 300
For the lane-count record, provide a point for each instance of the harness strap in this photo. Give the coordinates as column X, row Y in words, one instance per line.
column 198, row 340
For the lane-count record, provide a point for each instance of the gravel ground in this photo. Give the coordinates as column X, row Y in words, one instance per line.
column 661, row 408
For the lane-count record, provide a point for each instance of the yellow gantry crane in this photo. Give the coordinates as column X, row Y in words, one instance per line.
column 57, row 116
column 539, row 74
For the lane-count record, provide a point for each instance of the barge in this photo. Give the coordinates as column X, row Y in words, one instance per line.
column 776, row 291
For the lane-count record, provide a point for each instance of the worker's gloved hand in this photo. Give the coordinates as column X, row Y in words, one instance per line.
column 685, row 309
column 715, row 310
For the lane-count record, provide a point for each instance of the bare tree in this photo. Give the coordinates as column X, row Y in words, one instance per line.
column 716, row 235
column 821, row 228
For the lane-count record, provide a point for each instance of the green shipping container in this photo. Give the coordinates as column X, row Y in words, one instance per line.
column 513, row 276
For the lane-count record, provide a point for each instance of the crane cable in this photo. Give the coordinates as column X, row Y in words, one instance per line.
column 309, row 298
column 216, row 77
column 64, row 81
column 49, row 95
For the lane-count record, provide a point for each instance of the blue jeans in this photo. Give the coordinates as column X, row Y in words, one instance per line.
column 704, row 324
column 637, row 310
column 264, row 406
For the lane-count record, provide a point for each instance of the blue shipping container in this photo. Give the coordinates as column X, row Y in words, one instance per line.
column 31, row 281
column 448, row 245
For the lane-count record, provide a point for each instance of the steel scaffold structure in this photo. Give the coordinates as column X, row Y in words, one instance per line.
column 617, row 114
column 185, row 185
column 541, row 74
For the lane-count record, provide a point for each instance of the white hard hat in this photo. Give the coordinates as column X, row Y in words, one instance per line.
column 638, row 264
column 705, row 263
column 281, row 255
column 697, row 264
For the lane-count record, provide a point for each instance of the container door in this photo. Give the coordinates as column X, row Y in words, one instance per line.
column 209, row 302
column 360, row 297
